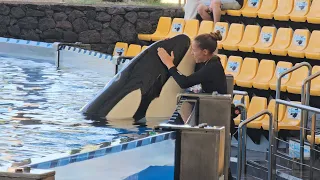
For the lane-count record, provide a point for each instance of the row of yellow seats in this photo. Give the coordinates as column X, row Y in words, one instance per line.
column 317, row 140
column 123, row 49
column 168, row 28
column 288, row 117
column 263, row 75
column 282, row 10
column 281, row 42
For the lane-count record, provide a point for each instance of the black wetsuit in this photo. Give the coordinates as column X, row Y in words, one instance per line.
column 210, row 75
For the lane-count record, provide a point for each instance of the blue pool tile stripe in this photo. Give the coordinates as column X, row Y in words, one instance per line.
column 104, row 151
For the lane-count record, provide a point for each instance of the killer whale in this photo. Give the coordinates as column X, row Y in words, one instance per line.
column 133, row 88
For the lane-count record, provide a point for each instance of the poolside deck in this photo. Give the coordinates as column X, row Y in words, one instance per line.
column 120, row 165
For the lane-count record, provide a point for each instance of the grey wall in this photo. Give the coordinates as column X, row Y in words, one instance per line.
column 99, row 26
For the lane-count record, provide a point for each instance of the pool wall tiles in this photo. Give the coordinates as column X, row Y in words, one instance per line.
column 50, row 45
column 104, row 151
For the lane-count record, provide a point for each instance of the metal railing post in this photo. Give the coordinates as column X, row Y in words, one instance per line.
column 240, row 134
column 312, row 147
column 275, row 121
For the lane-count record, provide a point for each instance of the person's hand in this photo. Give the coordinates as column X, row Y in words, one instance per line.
column 166, row 58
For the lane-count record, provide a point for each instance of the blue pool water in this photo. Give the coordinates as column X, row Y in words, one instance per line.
column 39, row 111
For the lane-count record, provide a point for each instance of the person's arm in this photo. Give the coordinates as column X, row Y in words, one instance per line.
column 188, row 81
column 216, row 10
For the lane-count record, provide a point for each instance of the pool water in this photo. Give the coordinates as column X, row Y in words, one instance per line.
column 39, row 110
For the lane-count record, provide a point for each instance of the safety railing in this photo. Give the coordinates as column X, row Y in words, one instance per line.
column 313, row 128
column 242, row 146
column 278, row 90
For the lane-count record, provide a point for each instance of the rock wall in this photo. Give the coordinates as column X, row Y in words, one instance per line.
column 99, row 26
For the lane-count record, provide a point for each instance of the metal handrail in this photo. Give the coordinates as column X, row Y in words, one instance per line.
column 313, row 127
column 271, row 163
column 305, row 98
column 278, row 90
column 242, row 149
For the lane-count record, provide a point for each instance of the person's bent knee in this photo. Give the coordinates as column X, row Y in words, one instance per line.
column 202, row 8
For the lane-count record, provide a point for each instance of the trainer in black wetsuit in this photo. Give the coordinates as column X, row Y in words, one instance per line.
column 209, row 74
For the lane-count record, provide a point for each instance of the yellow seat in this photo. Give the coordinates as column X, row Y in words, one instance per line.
column 223, row 27
column 264, row 74
column 267, row 8
column 133, row 50
column 317, row 140
column 237, row 12
column 162, row 30
column 234, row 37
column 315, row 83
column 120, row 49
column 281, row 67
column 266, row 39
column 234, row 66
column 205, row 27
column 284, row 8
column 177, row 27
column 271, row 108
column 250, row 38
column 251, row 8
column 313, row 49
column 299, row 42
column 257, row 104
column 191, row 28
column 300, row 10
column 144, row 48
column 291, row 120
column 314, row 14
column 248, row 72
column 295, row 83
column 223, row 60
column 282, row 42
column 236, row 101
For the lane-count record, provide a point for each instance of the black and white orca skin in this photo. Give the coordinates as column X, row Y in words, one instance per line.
column 130, row 92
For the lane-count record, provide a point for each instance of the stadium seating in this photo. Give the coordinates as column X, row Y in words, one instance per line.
column 237, row 100
column 248, row 72
column 281, row 67
column 143, row 48
column 177, row 27
column 205, row 27
column 313, row 49
column 233, row 66
column 314, row 16
column 256, row 105
column 266, row 39
column 133, row 50
column 284, row 8
column 162, row 30
column 251, row 8
column 299, row 42
column 191, row 28
column 223, row 60
column 237, row 12
column 300, row 10
column 315, row 83
column 223, row 27
column 234, row 37
column 249, row 39
column 317, row 140
column 264, row 74
column 282, row 42
column 291, row 120
column 120, row 49
column 295, row 83
column 271, row 108
column 267, row 8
